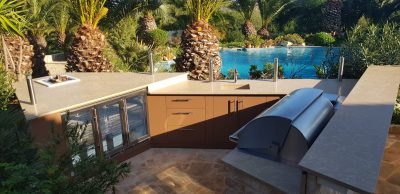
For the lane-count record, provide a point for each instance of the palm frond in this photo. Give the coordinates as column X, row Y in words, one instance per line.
column 89, row 11
column 204, row 9
column 269, row 9
column 12, row 16
column 246, row 7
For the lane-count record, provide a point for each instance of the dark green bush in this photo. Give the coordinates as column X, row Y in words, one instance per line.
column 396, row 116
column 320, row 39
column 254, row 72
column 6, row 89
column 158, row 37
column 26, row 169
column 371, row 45
column 294, row 38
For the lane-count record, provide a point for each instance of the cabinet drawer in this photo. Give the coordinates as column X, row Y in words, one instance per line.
column 185, row 102
column 185, row 117
column 181, row 137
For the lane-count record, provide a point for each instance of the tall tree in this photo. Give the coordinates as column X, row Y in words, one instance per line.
column 269, row 10
column 246, row 7
column 332, row 16
column 89, row 42
column 199, row 43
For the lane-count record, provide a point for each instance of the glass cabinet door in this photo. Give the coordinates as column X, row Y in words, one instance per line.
column 136, row 117
column 84, row 118
column 110, row 126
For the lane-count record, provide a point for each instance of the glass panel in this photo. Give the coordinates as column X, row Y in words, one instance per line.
column 82, row 118
column 137, row 123
column 110, row 126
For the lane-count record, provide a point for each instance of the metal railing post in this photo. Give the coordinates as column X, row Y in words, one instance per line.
column 31, row 89
column 341, row 68
column 211, row 70
column 151, row 62
column 276, row 69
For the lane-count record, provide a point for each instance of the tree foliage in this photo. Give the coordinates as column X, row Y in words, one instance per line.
column 371, row 45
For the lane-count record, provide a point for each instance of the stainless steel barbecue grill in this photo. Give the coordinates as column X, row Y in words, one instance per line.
column 287, row 130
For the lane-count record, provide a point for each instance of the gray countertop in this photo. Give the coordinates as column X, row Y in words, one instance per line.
column 257, row 87
column 350, row 149
column 92, row 88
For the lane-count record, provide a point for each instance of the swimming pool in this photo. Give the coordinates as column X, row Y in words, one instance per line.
column 297, row 61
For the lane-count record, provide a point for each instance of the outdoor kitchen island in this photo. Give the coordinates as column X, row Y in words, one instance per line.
column 198, row 114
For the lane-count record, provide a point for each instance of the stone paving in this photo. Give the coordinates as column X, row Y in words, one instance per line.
column 200, row 171
column 389, row 178
column 188, row 171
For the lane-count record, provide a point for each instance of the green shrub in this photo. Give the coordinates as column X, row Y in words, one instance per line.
column 231, row 74
column 158, row 37
column 371, row 45
column 266, row 73
column 294, row 38
column 233, row 44
column 329, row 68
column 254, row 40
column 6, row 89
column 320, row 39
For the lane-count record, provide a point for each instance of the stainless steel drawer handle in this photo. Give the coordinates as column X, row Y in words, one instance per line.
column 181, row 100
column 181, row 113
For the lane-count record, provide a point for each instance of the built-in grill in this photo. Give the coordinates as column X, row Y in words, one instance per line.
column 287, row 130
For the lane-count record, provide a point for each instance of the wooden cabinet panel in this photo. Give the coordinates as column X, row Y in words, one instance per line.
column 157, row 115
column 185, row 101
column 224, row 122
column 249, row 107
column 185, row 117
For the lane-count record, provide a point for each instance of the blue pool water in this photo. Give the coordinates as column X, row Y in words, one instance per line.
column 297, row 61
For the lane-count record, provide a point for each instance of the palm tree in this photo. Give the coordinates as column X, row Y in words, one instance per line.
column 148, row 23
column 269, row 10
column 39, row 27
column 89, row 42
column 332, row 16
column 60, row 20
column 16, row 51
column 246, row 7
column 199, row 43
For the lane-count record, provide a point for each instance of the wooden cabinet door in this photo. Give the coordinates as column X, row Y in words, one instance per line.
column 224, row 122
column 249, row 107
column 157, row 115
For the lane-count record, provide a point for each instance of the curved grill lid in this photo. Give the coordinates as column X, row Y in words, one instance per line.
column 287, row 130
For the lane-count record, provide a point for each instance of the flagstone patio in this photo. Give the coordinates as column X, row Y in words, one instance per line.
column 201, row 171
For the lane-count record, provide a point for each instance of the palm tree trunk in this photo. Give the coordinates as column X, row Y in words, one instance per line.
column 263, row 32
column 39, row 45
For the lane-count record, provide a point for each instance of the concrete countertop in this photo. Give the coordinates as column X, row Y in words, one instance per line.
column 257, row 87
column 350, row 149
column 92, row 88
